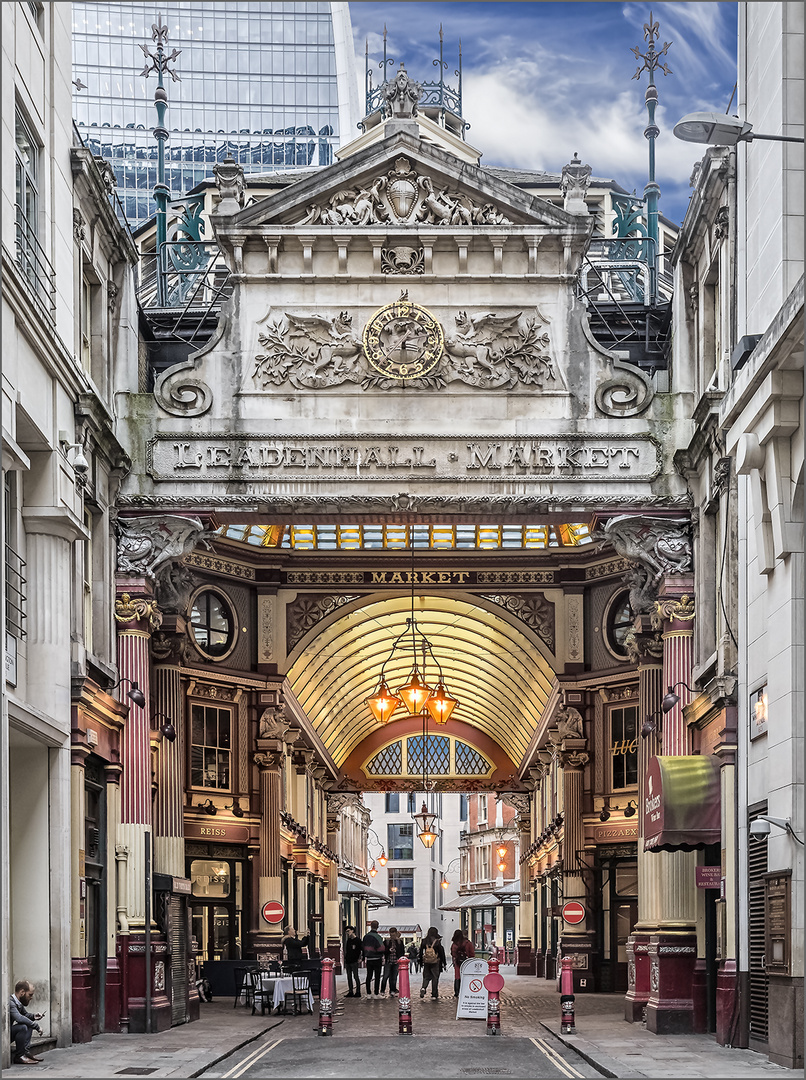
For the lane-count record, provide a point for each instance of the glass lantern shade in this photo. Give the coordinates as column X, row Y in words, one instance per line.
column 502, row 851
column 373, row 870
column 382, row 858
column 425, row 826
column 414, row 693
column 383, row 703
column 444, row 883
column 440, row 704
column 502, row 866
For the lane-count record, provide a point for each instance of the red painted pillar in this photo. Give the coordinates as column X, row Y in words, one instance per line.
column 327, row 992
column 404, row 997
column 494, row 983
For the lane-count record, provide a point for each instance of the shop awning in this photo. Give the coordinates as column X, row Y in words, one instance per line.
column 348, row 887
column 682, row 803
column 475, row 900
column 403, row 928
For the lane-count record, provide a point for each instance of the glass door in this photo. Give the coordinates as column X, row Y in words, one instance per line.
column 217, row 908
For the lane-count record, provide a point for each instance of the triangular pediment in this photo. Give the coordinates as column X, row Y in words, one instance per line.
column 403, row 182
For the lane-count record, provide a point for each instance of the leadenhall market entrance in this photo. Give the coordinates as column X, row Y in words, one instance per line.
column 403, row 420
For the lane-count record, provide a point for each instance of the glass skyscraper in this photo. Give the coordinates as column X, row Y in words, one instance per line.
column 272, row 84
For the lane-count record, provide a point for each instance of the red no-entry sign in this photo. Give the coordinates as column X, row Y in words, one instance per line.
column 573, row 912
column 273, row 911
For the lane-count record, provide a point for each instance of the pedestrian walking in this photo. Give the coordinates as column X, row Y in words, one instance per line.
column 352, row 958
column 414, row 957
column 461, row 950
column 372, row 946
column 394, row 949
column 432, row 959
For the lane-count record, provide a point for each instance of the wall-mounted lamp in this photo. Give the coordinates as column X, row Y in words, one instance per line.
column 167, row 730
column 651, row 726
column 630, row 808
column 208, row 807
column 719, row 129
column 670, row 698
column 373, row 870
column 134, row 692
column 235, row 807
column 604, row 814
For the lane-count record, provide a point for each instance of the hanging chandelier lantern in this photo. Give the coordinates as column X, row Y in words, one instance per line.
column 373, row 870
column 440, row 704
column 415, row 694
column 382, row 858
column 383, row 703
column 425, row 826
column 502, row 851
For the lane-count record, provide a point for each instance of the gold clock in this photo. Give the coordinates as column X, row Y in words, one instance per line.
column 403, row 341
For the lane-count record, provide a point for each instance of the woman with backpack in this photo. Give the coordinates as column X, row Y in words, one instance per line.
column 461, row 950
column 432, row 960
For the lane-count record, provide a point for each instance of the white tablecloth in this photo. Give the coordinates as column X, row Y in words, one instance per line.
column 283, row 987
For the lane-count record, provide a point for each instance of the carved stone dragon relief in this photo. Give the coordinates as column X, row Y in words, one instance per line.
column 487, row 351
column 402, row 197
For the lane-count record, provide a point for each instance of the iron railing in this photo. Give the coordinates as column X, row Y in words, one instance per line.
column 34, row 264
column 190, row 279
column 15, row 593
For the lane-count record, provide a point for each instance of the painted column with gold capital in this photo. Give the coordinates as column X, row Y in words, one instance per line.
column 644, row 647
column 673, row 946
column 526, row 946
column 136, row 615
column 267, row 937
column 169, row 841
column 577, row 939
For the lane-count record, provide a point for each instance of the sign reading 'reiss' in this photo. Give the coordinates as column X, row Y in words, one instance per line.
column 614, row 457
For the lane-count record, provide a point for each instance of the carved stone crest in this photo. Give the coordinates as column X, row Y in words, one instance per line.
column 402, row 196
column 401, row 95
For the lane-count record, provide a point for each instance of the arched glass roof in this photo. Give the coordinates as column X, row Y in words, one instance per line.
column 332, row 537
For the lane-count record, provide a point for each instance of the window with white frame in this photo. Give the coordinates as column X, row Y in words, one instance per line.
column 483, row 854
column 210, row 746
column 482, row 808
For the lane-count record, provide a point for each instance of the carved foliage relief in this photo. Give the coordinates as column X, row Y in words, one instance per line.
column 306, row 611
column 488, row 351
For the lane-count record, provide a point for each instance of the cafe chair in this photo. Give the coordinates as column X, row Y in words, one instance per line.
column 243, row 986
column 299, row 995
column 261, row 991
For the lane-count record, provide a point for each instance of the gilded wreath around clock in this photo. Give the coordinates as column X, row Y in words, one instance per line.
column 403, row 341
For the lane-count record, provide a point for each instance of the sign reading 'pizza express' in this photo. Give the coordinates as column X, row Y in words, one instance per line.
column 614, row 457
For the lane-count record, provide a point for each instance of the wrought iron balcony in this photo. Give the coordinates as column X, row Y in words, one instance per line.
column 34, row 265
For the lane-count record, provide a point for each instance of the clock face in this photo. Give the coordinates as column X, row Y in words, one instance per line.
column 403, row 341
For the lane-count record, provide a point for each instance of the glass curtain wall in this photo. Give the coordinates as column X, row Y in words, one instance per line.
column 258, row 82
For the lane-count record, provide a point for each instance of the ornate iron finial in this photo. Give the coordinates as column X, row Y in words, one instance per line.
column 158, row 63
column 652, row 62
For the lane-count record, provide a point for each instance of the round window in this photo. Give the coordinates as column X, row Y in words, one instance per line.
column 619, row 621
column 212, row 624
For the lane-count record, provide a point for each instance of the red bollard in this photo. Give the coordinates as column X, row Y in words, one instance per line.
column 327, row 991
column 404, row 997
column 567, row 997
column 494, row 984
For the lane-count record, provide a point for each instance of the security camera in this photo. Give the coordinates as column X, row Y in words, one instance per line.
column 760, row 827
column 80, row 463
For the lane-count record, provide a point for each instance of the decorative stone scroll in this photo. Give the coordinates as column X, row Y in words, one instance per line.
column 404, row 197
column 135, row 609
column 681, row 610
column 628, row 392
column 147, row 543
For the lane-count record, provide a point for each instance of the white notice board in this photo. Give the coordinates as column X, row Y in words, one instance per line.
column 472, row 1004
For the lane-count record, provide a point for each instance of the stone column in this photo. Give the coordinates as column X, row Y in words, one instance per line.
column 577, row 940
column 266, row 938
column 673, row 948
column 82, row 977
column 646, row 647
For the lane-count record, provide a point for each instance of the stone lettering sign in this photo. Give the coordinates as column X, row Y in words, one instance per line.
column 191, row 458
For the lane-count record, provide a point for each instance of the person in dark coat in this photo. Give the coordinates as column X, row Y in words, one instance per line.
column 394, row 949
column 352, row 958
column 293, row 947
column 461, row 950
column 372, row 946
column 432, row 960
column 414, row 958
column 23, row 1023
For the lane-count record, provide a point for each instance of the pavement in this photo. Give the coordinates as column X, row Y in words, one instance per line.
column 365, row 1043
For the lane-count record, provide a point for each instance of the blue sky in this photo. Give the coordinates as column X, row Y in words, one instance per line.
column 543, row 80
